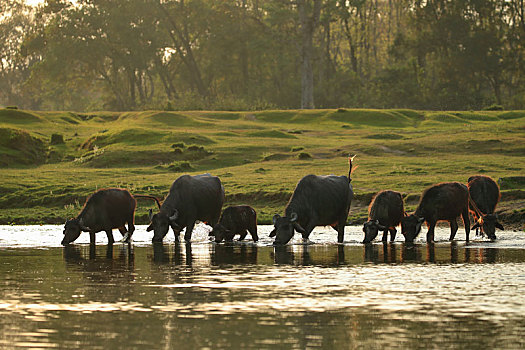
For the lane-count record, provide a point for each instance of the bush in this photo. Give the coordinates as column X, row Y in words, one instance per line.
column 180, row 166
column 494, row 107
column 304, row 155
column 297, row 149
column 57, row 139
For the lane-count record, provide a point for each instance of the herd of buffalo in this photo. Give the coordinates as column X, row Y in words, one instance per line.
column 316, row 201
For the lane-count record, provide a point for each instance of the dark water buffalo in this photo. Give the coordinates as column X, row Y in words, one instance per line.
column 239, row 219
column 384, row 214
column 444, row 201
column 191, row 198
column 316, row 201
column 104, row 210
column 484, row 197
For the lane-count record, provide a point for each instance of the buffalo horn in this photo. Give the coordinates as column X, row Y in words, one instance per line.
column 275, row 218
column 293, row 217
column 175, row 215
column 150, row 214
column 82, row 227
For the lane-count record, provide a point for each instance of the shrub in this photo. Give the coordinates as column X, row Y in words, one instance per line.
column 304, row 155
column 180, row 166
column 297, row 149
column 57, row 139
column 494, row 107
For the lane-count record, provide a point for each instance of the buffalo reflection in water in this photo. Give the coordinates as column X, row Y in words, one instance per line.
column 101, row 264
column 182, row 253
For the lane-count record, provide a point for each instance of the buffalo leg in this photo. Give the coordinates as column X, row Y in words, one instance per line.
column 385, row 235
column 308, row 229
column 466, row 222
column 110, row 237
column 189, row 230
column 91, row 237
column 176, row 231
column 393, row 232
column 243, row 235
column 125, row 234
column 131, row 229
column 340, row 228
column 430, row 233
column 341, row 231
column 453, row 228
column 253, row 232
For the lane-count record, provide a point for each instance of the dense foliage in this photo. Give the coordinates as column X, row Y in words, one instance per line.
column 259, row 54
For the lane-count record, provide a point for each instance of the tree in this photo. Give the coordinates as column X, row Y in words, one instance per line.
column 16, row 20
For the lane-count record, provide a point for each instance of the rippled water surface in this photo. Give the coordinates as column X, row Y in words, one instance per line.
column 245, row 295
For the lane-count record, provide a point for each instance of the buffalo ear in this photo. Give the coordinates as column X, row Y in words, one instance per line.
column 273, row 233
column 420, row 220
column 149, row 228
column 498, row 225
column 150, row 214
column 293, row 217
column 275, row 218
column 174, row 216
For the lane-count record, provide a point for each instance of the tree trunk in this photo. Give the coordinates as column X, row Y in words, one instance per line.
column 308, row 23
column 184, row 49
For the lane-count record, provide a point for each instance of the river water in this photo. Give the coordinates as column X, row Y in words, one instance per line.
column 246, row 295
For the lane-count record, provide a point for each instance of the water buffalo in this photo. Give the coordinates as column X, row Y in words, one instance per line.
column 444, row 201
column 384, row 214
column 104, row 210
column 316, row 201
column 484, row 197
column 239, row 219
column 191, row 198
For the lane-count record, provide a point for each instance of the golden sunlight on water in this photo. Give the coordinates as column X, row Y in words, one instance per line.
column 247, row 295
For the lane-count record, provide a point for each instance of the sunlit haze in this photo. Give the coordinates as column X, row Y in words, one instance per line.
column 34, row 2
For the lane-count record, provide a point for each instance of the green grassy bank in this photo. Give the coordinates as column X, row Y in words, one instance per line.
column 51, row 161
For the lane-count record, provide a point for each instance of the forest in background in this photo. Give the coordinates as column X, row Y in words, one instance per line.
column 262, row 54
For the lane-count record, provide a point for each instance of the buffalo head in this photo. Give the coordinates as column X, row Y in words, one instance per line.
column 160, row 224
column 488, row 224
column 221, row 233
column 284, row 228
column 371, row 229
column 72, row 230
column 410, row 227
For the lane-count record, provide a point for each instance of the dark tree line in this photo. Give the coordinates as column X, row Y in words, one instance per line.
column 256, row 54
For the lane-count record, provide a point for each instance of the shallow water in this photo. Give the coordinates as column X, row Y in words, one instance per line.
column 242, row 295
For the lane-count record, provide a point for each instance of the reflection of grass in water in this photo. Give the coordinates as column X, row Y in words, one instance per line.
column 403, row 150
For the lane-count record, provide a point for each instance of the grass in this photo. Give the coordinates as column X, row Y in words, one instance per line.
column 259, row 156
